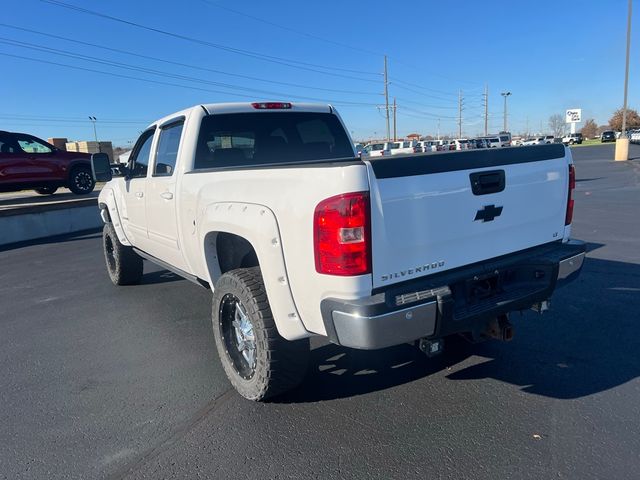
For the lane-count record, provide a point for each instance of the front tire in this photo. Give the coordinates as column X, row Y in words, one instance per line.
column 81, row 181
column 46, row 190
column 258, row 362
column 123, row 264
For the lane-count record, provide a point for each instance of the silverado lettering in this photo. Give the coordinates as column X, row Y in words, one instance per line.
column 412, row 271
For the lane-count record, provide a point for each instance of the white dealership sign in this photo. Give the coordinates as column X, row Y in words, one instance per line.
column 574, row 115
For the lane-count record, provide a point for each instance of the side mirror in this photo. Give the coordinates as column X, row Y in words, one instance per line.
column 125, row 171
column 100, row 167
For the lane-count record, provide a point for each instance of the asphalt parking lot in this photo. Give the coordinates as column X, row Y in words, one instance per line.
column 104, row 382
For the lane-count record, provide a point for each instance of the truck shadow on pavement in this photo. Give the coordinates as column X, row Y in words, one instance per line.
column 587, row 343
column 159, row 276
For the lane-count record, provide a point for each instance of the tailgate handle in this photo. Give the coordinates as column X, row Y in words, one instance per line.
column 483, row 183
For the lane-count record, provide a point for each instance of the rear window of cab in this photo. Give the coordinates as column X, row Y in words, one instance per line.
column 264, row 138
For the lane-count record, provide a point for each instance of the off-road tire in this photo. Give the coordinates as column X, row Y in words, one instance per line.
column 46, row 190
column 81, row 181
column 123, row 264
column 280, row 365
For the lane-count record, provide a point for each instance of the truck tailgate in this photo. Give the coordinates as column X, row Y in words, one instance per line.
column 431, row 213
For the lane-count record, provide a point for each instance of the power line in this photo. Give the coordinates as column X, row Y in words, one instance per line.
column 421, row 117
column 401, row 99
column 180, row 64
column 260, row 56
column 395, row 80
column 48, row 124
column 160, row 73
column 436, row 97
column 322, row 39
column 419, row 112
column 290, row 29
column 158, row 82
column 264, row 57
column 66, row 120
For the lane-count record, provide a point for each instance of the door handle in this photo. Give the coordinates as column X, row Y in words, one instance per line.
column 167, row 195
column 139, row 194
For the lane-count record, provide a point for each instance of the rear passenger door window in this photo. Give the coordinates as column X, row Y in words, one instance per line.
column 167, row 151
column 7, row 144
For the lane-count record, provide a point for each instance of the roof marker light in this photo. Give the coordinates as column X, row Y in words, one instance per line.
column 271, row 105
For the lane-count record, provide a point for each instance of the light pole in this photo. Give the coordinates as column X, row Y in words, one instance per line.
column 505, row 95
column 95, row 133
column 622, row 143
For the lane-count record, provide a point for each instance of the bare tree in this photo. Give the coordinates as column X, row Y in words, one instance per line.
column 590, row 129
column 557, row 125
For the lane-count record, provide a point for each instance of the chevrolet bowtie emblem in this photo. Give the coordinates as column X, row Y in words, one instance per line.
column 488, row 213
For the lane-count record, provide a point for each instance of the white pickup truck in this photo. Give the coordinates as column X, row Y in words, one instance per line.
column 267, row 205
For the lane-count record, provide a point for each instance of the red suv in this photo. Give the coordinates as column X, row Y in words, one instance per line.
column 27, row 162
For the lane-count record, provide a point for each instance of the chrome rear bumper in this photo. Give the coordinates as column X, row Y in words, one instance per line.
column 440, row 305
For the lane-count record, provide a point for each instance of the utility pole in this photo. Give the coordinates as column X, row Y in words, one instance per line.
column 486, row 110
column 95, row 133
column 438, row 134
column 395, row 135
column 386, row 97
column 459, row 113
column 622, row 143
column 505, row 95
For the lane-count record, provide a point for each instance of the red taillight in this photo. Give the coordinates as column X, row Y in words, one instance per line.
column 572, row 185
column 342, row 235
column 271, row 105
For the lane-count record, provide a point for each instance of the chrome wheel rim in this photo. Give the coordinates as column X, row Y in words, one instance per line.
column 238, row 336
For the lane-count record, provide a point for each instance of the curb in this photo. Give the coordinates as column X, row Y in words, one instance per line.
column 31, row 222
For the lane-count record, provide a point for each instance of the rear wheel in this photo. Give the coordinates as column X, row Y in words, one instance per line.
column 123, row 264
column 46, row 190
column 81, row 181
column 257, row 360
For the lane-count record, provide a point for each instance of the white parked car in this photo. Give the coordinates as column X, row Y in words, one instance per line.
column 375, row 150
column 428, row 146
column 267, row 205
column 549, row 139
column 501, row 140
column 494, row 142
column 461, row 143
column 572, row 138
column 401, row 147
column 534, row 141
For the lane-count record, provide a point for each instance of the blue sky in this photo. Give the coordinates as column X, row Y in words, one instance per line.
column 552, row 55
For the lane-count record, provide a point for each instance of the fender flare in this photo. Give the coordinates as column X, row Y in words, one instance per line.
column 109, row 213
column 258, row 225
